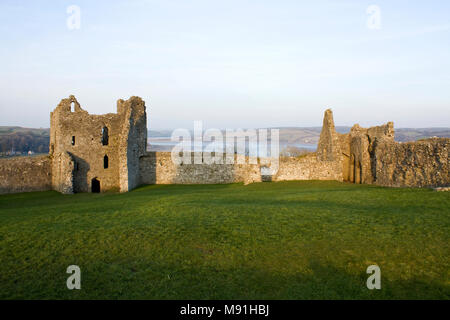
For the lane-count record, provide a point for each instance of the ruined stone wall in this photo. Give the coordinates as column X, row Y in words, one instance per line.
column 25, row 174
column 361, row 148
column 329, row 163
column 158, row 168
column 414, row 164
column 308, row 167
column 63, row 169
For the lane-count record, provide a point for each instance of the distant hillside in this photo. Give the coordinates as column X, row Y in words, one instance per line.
column 159, row 133
column 18, row 140
column 294, row 135
column 411, row 134
column 310, row 135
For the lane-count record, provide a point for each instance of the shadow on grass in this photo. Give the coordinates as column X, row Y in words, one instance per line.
column 152, row 280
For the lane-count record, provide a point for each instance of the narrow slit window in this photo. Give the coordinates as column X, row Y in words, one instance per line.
column 72, row 107
column 73, row 140
column 105, row 162
column 105, row 136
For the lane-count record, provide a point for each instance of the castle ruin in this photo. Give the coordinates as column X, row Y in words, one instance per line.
column 98, row 153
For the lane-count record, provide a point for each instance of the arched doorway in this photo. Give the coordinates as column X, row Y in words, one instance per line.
column 346, row 167
column 352, row 168
column 358, row 172
column 95, row 186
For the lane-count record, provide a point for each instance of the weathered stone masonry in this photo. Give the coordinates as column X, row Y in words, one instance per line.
column 420, row 164
column 96, row 153
column 24, row 174
column 372, row 156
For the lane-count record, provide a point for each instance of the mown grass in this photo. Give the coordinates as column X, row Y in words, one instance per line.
column 284, row 240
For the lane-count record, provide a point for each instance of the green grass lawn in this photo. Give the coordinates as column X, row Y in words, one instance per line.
column 283, row 240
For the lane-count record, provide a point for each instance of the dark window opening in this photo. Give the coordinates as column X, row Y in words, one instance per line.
column 95, row 186
column 105, row 162
column 105, row 136
column 73, row 140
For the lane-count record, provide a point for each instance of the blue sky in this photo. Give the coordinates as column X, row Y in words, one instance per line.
column 229, row 63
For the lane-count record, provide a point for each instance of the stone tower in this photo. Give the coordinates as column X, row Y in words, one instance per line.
column 96, row 153
column 328, row 148
column 353, row 153
column 333, row 147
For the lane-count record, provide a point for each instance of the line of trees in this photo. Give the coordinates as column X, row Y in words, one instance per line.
column 24, row 142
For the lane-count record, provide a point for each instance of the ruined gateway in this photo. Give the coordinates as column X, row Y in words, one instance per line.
column 97, row 153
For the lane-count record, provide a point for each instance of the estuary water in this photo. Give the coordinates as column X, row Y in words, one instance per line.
column 165, row 144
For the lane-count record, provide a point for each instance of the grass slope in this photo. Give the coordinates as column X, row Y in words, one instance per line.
column 285, row 240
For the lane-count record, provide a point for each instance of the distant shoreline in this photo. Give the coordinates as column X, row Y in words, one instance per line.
column 166, row 144
column 19, row 140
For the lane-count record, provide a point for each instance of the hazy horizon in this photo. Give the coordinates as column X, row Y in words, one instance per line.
column 230, row 64
column 318, row 127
